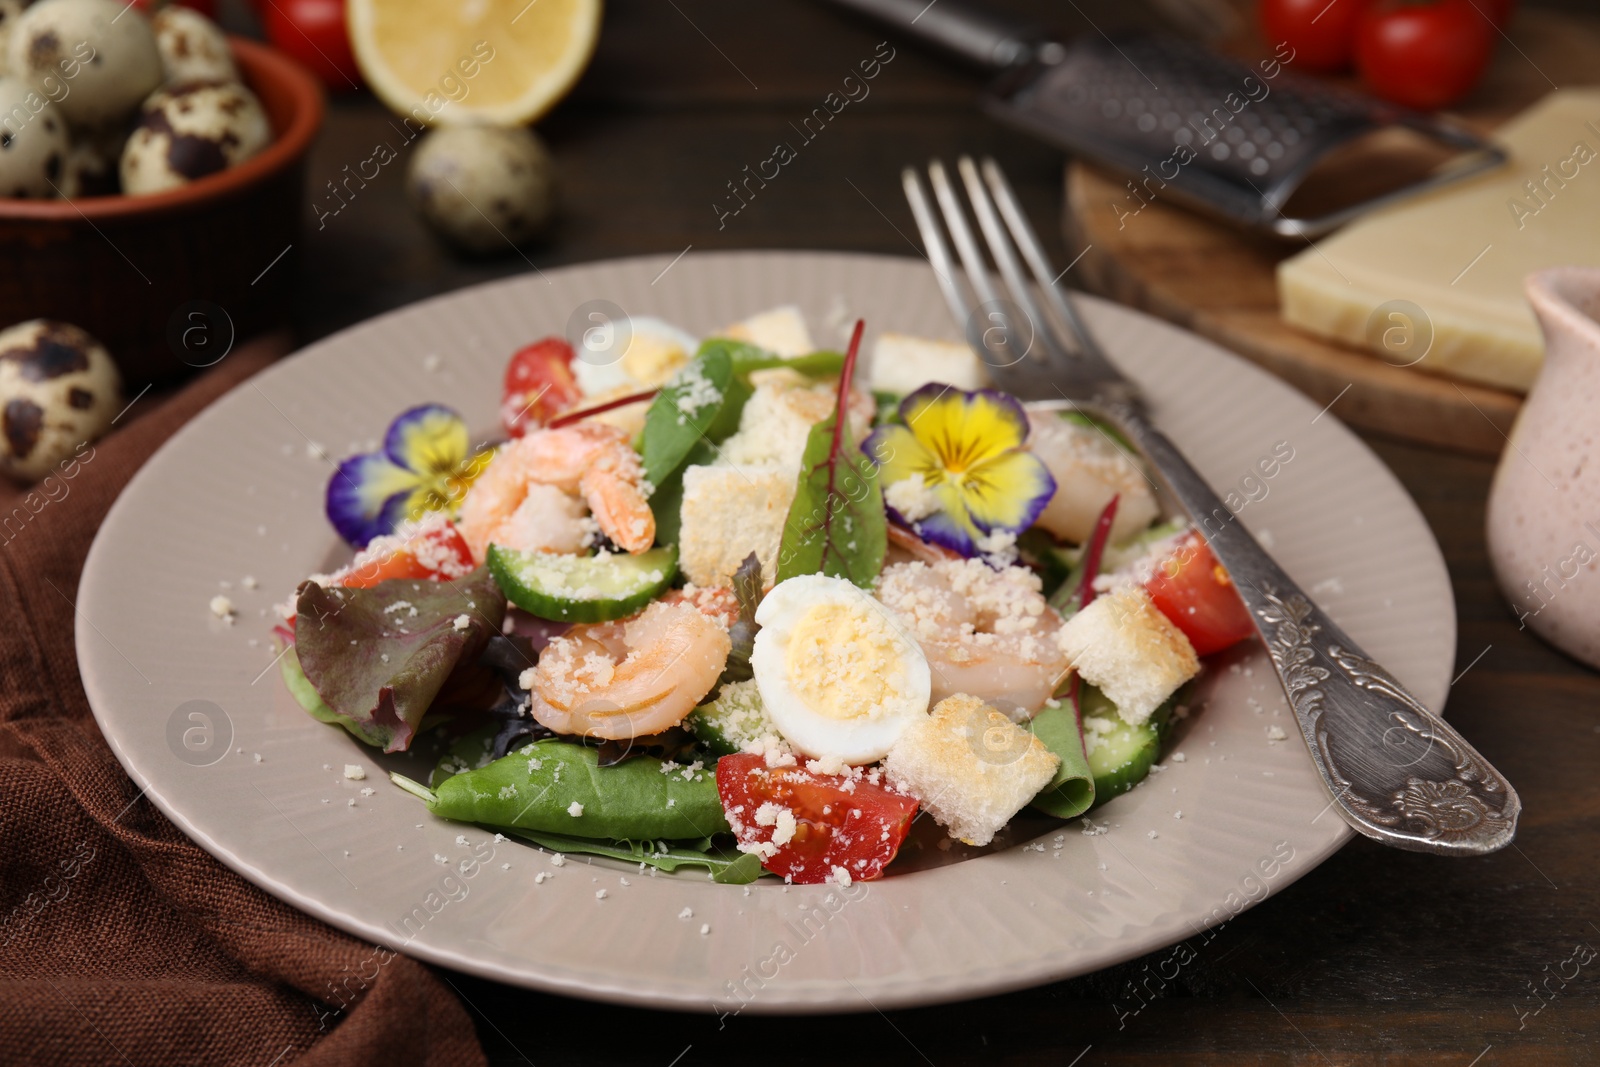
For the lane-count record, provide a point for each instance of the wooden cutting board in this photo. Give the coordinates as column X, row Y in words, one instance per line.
column 1217, row 280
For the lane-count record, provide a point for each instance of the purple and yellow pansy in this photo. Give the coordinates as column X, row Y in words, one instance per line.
column 954, row 470
column 426, row 464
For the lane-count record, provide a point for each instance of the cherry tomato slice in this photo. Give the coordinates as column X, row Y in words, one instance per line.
column 836, row 823
column 1424, row 56
column 539, row 385
column 1191, row 588
column 435, row 552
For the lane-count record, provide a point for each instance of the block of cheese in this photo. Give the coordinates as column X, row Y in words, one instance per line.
column 1461, row 254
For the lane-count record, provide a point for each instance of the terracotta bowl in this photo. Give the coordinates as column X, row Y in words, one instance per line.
column 133, row 270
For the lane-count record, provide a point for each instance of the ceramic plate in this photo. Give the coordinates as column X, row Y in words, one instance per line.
column 195, row 710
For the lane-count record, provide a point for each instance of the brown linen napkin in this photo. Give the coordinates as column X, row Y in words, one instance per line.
column 121, row 941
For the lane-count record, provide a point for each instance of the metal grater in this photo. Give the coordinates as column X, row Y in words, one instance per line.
column 1158, row 110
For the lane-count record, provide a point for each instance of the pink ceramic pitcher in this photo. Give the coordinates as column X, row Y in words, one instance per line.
column 1544, row 506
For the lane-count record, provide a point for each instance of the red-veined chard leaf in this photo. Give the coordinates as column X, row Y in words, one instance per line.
column 836, row 525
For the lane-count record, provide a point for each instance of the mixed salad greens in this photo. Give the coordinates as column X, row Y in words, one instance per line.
column 713, row 605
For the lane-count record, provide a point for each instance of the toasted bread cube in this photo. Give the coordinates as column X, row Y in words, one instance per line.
column 729, row 512
column 970, row 767
column 903, row 364
column 778, row 417
column 1089, row 470
column 1124, row 645
column 781, row 331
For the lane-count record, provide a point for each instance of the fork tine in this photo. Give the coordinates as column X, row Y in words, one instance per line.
column 933, row 241
column 990, row 311
column 1006, row 260
column 1033, row 252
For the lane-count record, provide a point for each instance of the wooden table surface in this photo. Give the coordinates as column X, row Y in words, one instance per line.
column 1376, row 956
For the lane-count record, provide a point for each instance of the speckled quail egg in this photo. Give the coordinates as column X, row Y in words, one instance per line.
column 102, row 56
column 10, row 12
column 58, row 389
column 188, row 131
column 91, row 166
column 33, row 141
column 193, row 48
column 482, row 187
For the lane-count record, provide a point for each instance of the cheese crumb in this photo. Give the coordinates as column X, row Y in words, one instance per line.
column 462, row 621
column 539, row 878
column 1275, row 733
column 558, row 860
column 600, row 894
column 355, row 772
column 222, row 608
column 575, row 809
column 686, row 913
column 705, row 929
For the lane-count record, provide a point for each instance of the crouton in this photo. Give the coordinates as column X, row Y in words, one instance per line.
column 1124, row 645
column 902, row 364
column 1089, row 470
column 781, row 331
column 729, row 512
column 779, row 415
column 970, row 767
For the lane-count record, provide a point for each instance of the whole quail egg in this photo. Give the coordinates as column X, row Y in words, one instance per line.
column 91, row 166
column 102, row 56
column 188, row 131
column 58, row 389
column 33, row 141
column 10, row 12
column 483, row 186
column 193, row 48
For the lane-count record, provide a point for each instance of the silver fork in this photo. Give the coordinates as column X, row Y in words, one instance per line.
column 1396, row 772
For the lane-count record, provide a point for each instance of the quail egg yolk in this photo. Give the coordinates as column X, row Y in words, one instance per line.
column 845, row 661
column 651, row 359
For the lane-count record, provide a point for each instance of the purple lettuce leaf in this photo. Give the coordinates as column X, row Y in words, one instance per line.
column 381, row 657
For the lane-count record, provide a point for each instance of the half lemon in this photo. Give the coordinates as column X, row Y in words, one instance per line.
column 452, row 62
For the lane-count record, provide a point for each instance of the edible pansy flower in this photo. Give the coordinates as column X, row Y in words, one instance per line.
column 426, row 464
column 954, row 470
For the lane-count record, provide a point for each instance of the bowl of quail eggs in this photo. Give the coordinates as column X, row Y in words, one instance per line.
column 150, row 165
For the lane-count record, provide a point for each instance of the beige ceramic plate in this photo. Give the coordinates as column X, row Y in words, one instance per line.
column 201, row 722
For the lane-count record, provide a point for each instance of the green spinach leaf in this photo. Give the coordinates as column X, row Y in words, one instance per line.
column 736, row 868
column 554, row 786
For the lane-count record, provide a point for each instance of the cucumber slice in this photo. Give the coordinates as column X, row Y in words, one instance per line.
column 582, row 588
column 1120, row 754
column 733, row 720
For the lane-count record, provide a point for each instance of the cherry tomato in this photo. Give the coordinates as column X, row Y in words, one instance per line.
column 539, row 385
column 313, row 32
column 436, row 551
column 1321, row 32
column 1191, row 588
column 853, row 825
column 1426, row 55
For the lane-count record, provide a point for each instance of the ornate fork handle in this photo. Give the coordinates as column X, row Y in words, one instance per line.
column 1397, row 772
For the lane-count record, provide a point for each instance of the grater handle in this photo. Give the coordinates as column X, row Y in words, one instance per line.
column 974, row 34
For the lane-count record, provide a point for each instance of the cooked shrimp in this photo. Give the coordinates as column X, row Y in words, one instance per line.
column 540, row 491
column 1089, row 470
column 987, row 633
column 633, row 678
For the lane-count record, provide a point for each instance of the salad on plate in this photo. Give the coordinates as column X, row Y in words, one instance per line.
column 744, row 605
